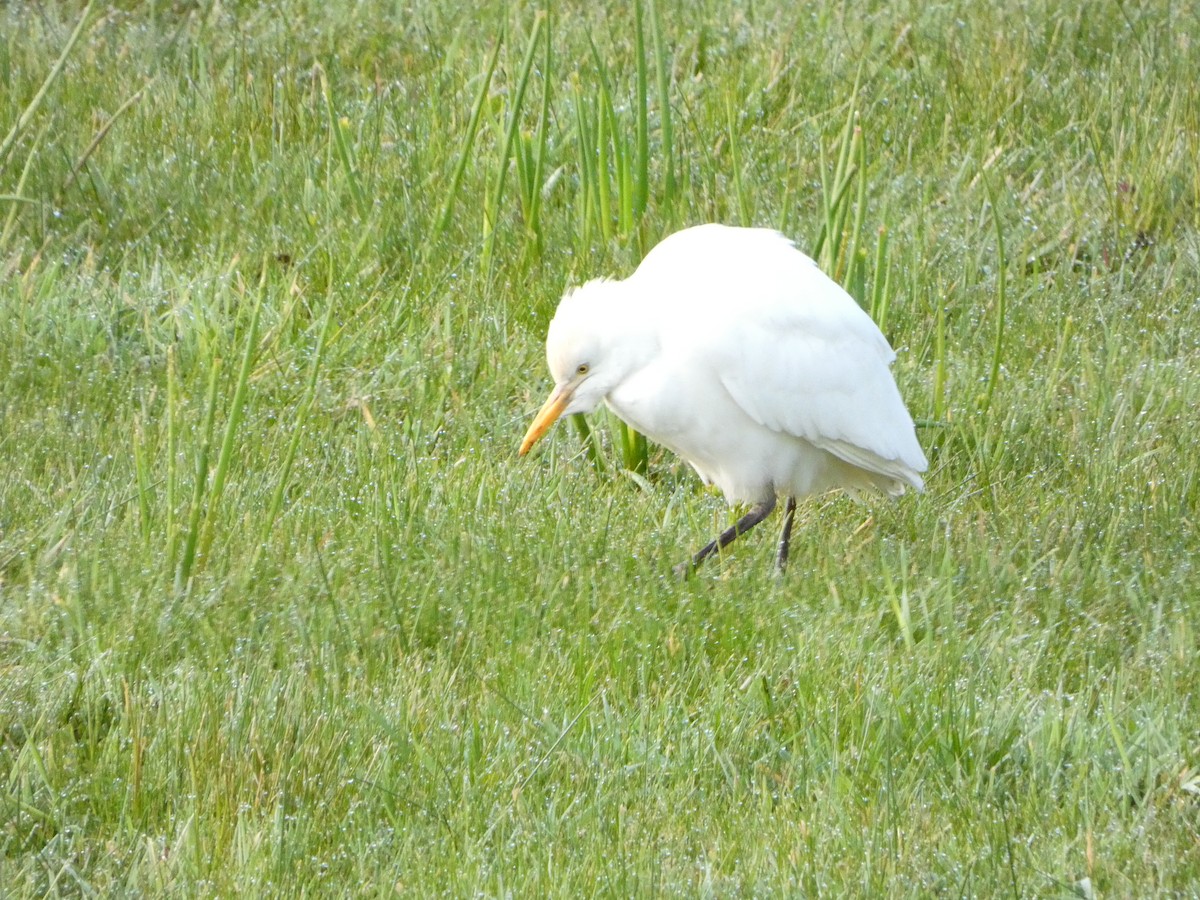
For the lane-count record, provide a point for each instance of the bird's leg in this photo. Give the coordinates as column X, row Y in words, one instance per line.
column 785, row 539
column 757, row 513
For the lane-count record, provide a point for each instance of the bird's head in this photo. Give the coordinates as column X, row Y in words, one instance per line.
column 592, row 345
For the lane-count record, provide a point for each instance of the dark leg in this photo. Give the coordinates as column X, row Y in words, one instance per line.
column 757, row 513
column 789, row 513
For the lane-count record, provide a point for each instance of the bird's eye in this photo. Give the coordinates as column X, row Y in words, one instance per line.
column 582, row 370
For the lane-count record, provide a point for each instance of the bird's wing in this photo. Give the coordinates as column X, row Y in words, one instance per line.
column 822, row 373
column 793, row 349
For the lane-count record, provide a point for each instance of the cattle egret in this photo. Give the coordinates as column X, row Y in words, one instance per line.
column 732, row 348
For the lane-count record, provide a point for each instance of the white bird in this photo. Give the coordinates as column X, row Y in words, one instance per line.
column 732, row 348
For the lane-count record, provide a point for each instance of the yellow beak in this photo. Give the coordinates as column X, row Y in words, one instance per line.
column 551, row 410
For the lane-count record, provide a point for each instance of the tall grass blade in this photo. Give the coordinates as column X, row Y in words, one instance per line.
column 1001, row 302
column 183, row 573
column 745, row 216
column 33, row 105
column 234, row 421
column 635, row 452
column 541, row 138
column 141, row 470
column 838, row 248
column 17, row 198
column 827, row 246
column 666, row 131
column 302, row 414
column 610, row 137
column 339, row 127
column 588, row 175
column 1064, row 340
column 881, row 281
column 591, row 444
column 853, row 279
column 939, row 364
column 603, row 165
column 641, row 164
column 172, row 451
column 101, row 133
column 839, row 237
column 464, row 156
column 492, row 209
column 625, row 185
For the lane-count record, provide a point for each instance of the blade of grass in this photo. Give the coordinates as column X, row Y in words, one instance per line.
column 591, row 444
column 55, row 73
column 610, row 138
column 523, row 155
column 842, row 173
column 663, row 77
column 603, row 185
column 588, row 176
column 827, row 245
column 464, row 156
column 625, row 186
column 1001, row 301
column 141, row 471
column 739, row 190
column 852, row 280
column 881, row 281
column 641, row 193
column 541, row 138
column 339, row 127
column 183, row 573
column 848, row 171
column 17, row 199
column 492, row 209
column 302, row 414
column 101, row 134
column 1064, row 340
column 634, row 450
column 234, row 421
column 172, row 451
column 939, row 364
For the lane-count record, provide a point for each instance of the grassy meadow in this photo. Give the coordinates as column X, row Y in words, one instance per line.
column 281, row 611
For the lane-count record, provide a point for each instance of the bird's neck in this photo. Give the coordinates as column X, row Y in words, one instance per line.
column 632, row 333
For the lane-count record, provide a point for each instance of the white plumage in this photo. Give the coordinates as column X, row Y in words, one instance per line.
column 733, row 349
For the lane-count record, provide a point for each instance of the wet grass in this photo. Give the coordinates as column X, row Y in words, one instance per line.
column 281, row 611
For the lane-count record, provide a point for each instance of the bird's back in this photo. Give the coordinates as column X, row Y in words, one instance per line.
column 719, row 275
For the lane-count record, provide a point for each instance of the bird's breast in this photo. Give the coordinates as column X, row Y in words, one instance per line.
column 696, row 419
column 655, row 402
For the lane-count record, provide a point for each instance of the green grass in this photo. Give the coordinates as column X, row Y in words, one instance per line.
column 282, row 612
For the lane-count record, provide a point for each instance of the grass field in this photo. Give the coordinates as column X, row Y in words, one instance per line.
column 281, row 611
